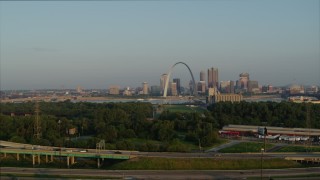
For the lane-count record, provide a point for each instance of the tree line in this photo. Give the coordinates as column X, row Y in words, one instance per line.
column 131, row 125
column 283, row 114
column 116, row 123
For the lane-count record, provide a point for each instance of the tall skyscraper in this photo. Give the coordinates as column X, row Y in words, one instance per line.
column 243, row 81
column 213, row 77
column 174, row 89
column 145, row 88
column 177, row 81
column 163, row 80
column 202, row 76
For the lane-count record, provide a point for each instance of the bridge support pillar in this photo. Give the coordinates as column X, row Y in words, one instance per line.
column 68, row 161
column 72, row 160
column 5, row 155
column 24, row 156
column 98, row 162
column 51, row 158
column 39, row 159
column 18, row 156
column 33, row 160
column 46, row 158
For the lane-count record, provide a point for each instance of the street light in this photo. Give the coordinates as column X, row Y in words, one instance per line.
column 262, row 150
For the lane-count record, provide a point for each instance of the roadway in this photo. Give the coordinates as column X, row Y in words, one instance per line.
column 161, row 174
column 47, row 150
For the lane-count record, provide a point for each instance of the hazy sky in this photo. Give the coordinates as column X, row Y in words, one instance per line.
column 96, row 44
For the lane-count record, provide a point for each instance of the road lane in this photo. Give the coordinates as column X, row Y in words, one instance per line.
column 163, row 174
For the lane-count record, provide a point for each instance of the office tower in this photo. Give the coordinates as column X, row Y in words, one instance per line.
column 203, row 76
column 253, row 86
column 114, row 90
column 227, row 86
column 174, row 89
column 155, row 90
column 231, row 87
column 213, row 77
column 163, row 80
column 267, row 88
column 243, row 81
column 202, row 87
column 145, row 88
column 177, row 81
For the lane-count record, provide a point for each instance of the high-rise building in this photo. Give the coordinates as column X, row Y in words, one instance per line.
column 203, row 76
column 213, row 77
column 155, row 90
column 145, row 88
column 227, row 86
column 232, row 87
column 267, row 88
column 177, row 81
column 253, row 86
column 163, row 80
column 243, row 81
column 202, row 87
column 174, row 89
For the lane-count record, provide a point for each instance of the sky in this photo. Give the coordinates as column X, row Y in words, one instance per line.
column 95, row 44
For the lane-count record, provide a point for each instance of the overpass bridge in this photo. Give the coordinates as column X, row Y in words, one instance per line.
column 313, row 160
column 70, row 154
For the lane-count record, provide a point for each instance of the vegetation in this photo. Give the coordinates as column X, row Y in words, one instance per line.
column 154, row 163
column 201, row 164
column 116, row 123
column 245, row 147
column 284, row 114
column 299, row 149
column 176, row 128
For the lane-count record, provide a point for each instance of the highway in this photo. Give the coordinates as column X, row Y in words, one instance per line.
column 23, row 148
column 162, row 174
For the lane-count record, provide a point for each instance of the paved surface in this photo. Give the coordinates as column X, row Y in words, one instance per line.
column 194, row 174
column 231, row 143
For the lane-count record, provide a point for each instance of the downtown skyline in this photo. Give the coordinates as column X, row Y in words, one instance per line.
column 46, row 45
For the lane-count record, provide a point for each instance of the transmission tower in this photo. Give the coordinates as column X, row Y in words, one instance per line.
column 37, row 122
column 308, row 124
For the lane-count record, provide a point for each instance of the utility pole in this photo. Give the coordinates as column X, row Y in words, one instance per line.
column 262, row 150
column 265, row 134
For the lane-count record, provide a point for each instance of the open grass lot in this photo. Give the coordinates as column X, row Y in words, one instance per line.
column 299, row 149
column 183, row 108
column 244, row 147
column 201, row 164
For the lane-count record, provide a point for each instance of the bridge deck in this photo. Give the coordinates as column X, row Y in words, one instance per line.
column 66, row 154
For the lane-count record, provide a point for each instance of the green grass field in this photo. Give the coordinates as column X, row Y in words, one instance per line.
column 244, row 147
column 299, row 149
column 201, row 164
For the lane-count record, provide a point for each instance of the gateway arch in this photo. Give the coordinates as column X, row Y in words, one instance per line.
column 168, row 79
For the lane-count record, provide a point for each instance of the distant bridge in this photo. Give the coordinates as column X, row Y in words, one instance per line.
column 50, row 152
